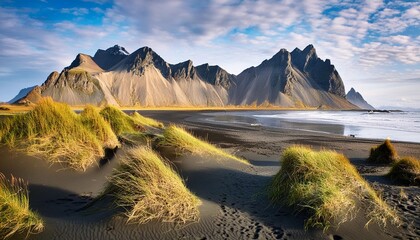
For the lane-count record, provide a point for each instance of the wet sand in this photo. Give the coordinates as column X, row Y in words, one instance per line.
column 234, row 202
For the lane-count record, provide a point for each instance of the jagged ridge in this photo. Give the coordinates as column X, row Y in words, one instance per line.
column 144, row 78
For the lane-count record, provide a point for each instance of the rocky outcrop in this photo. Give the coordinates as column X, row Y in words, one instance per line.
column 356, row 98
column 322, row 72
column 215, row 75
column 183, row 70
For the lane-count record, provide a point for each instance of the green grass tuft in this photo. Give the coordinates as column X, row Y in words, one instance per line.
column 182, row 140
column 406, row 171
column 15, row 215
column 149, row 189
column 145, row 121
column 55, row 131
column 384, row 153
column 92, row 119
column 327, row 187
column 119, row 121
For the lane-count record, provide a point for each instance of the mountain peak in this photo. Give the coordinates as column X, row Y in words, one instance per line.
column 84, row 62
column 79, row 60
column 106, row 59
column 215, row 75
column 143, row 57
column 117, row 50
column 145, row 52
column 282, row 58
column 357, row 99
column 309, row 48
column 310, row 52
column 183, row 70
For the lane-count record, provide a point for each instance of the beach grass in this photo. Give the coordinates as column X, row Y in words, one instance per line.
column 148, row 188
column 145, row 121
column 326, row 186
column 384, row 153
column 15, row 215
column 406, row 171
column 92, row 119
column 53, row 130
column 183, row 141
column 119, row 121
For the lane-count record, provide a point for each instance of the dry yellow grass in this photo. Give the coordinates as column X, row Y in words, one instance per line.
column 53, row 130
column 149, row 189
column 92, row 119
column 406, row 171
column 119, row 121
column 328, row 187
column 15, row 215
column 383, row 153
column 145, row 121
column 182, row 141
column 14, row 109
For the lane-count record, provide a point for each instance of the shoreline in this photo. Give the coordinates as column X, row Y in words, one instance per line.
column 199, row 117
column 13, row 108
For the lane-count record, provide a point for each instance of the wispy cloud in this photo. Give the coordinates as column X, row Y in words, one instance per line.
column 75, row 11
column 365, row 39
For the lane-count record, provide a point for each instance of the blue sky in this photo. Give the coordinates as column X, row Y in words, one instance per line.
column 375, row 45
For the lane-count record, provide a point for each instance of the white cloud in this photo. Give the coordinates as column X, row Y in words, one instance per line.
column 75, row 11
column 396, row 39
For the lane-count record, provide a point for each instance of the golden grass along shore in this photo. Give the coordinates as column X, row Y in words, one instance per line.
column 406, row 171
column 53, row 130
column 383, row 153
column 328, row 187
column 148, row 188
column 183, row 141
column 16, row 109
column 15, row 215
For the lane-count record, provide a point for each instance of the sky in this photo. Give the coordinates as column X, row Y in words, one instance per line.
column 374, row 44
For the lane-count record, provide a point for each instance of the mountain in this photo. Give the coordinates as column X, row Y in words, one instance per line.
column 143, row 78
column 298, row 78
column 357, row 99
column 22, row 93
column 108, row 58
column 75, row 85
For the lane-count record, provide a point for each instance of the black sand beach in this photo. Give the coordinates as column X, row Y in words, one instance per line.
column 235, row 205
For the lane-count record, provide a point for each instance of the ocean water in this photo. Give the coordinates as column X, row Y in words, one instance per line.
column 400, row 126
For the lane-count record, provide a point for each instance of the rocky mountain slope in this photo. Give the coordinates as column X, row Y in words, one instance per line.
column 356, row 98
column 143, row 78
column 22, row 93
column 298, row 78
